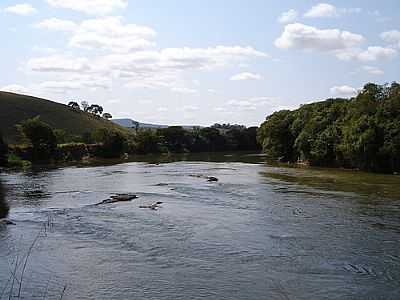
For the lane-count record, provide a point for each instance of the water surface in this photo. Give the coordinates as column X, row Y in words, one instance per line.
column 262, row 232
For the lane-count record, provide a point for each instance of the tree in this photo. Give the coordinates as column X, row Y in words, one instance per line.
column 175, row 138
column 95, row 109
column 41, row 136
column 74, row 105
column 3, row 151
column 85, row 105
column 362, row 132
column 107, row 116
column 275, row 136
column 113, row 142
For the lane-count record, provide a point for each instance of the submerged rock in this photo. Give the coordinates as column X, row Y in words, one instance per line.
column 153, row 206
column 6, row 222
column 118, row 198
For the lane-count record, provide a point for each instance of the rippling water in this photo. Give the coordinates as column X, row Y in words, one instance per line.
column 261, row 232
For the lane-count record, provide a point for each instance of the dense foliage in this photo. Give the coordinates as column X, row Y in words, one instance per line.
column 3, row 152
column 363, row 132
column 41, row 136
column 176, row 139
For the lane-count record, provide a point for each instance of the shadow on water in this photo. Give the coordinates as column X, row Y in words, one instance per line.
column 374, row 186
column 4, row 208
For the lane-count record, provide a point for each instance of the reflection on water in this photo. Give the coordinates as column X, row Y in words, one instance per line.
column 3, row 204
column 262, row 231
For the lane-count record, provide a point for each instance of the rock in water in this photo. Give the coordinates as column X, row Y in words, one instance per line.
column 6, row 222
column 153, row 206
column 118, row 198
column 212, row 179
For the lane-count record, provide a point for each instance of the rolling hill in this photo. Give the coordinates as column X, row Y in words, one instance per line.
column 15, row 108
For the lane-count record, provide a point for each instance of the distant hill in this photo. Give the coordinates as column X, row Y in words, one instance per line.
column 129, row 123
column 15, row 108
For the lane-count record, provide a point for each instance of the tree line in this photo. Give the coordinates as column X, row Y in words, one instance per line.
column 94, row 109
column 39, row 142
column 362, row 132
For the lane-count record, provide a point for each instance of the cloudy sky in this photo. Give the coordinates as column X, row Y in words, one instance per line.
column 197, row 61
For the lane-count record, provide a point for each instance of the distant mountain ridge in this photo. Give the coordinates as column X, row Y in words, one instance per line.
column 129, row 123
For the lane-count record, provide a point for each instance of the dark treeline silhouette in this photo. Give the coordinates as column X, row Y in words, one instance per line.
column 363, row 132
column 176, row 139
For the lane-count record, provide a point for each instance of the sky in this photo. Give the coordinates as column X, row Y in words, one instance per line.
column 197, row 62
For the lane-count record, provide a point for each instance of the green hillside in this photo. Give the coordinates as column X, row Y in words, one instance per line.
column 15, row 108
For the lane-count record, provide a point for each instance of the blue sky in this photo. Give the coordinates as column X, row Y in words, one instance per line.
column 197, row 61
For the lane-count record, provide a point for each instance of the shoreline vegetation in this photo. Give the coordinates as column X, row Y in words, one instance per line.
column 42, row 144
column 361, row 133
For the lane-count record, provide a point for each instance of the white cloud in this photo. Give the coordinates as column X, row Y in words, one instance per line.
column 190, row 108
column 111, row 34
column 14, row 88
column 343, row 91
column 373, row 70
column 301, row 36
column 288, row 16
column 391, row 37
column 373, row 53
column 58, row 64
column 322, row 10
column 92, row 7
column 183, row 90
column 246, row 76
column 23, row 9
column 57, row 25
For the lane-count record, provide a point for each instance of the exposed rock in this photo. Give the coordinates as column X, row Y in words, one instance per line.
column 118, row 198
column 153, row 206
column 212, row 179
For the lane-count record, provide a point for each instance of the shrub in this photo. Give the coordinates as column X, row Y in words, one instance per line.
column 113, row 142
column 41, row 136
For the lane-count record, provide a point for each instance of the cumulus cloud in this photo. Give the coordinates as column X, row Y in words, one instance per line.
column 129, row 56
column 343, row 91
column 23, row 9
column 391, row 37
column 92, row 7
column 373, row 70
column 57, row 25
column 373, row 53
column 322, row 10
column 288, row 16
column 246, row 76
column 301, row 36
column 146, row 69
column 110, row 33
column 58, row 64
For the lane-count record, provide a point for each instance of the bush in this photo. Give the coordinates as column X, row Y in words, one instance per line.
column 41, row 136
column 113, row 142
column 14, row 161
column 72, row 152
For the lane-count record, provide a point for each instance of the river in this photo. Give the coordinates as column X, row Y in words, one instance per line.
column 263, row 231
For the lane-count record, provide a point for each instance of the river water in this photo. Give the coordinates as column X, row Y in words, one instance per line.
column 262, row 231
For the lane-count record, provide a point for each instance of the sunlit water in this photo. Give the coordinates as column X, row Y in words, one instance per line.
column 261, row 232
